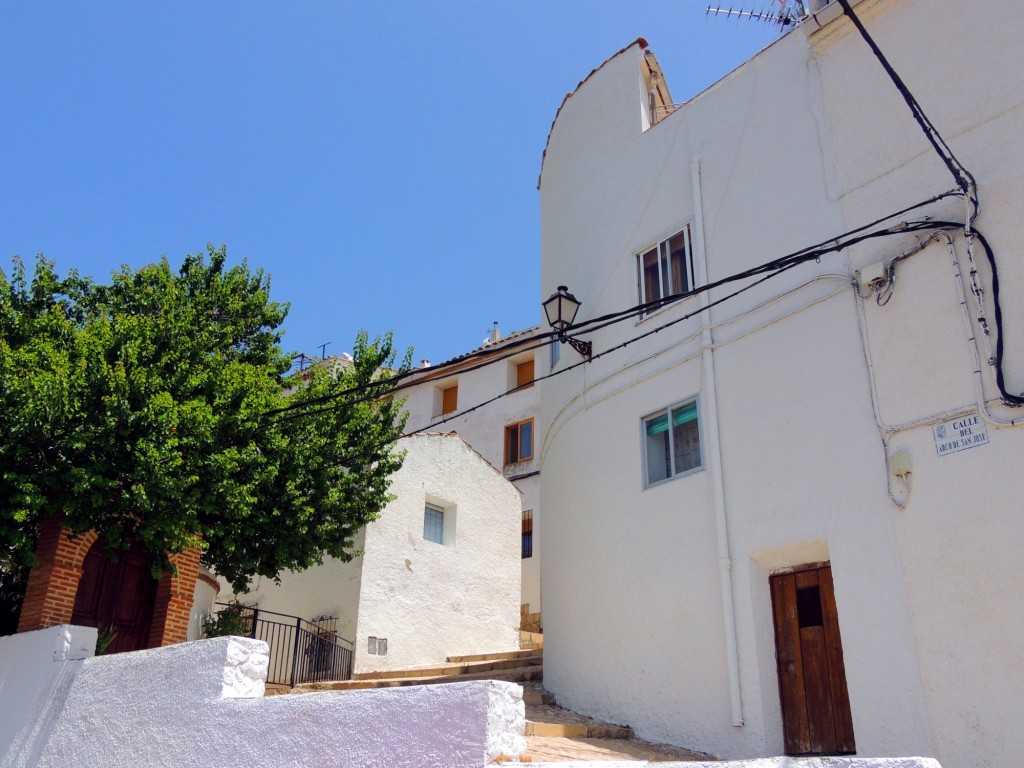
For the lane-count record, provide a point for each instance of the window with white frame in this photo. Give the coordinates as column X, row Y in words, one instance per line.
column 433, row 523
column 672, row 442
column 555, row 349
column 666, row 268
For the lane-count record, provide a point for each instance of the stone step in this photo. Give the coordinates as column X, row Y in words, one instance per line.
column 549, row 720
column 561, row 730
column 515, row 675
column 533, row 658
column 530, row 637
column 520, row 654
column 538, row 697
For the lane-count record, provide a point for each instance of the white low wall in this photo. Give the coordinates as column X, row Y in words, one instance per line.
column 202, row 704
column 36, row 672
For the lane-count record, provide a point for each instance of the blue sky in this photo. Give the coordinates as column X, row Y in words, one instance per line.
column 379, row 160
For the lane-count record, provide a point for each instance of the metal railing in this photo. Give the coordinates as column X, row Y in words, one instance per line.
column 300, row 651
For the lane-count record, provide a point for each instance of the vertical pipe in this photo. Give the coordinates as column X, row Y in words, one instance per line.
column 709, row 403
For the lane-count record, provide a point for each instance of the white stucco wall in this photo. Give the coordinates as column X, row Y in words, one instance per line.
column 428, row 600
column 202, row 704
column 328, row 589
column 803, row 142
column 434, row 600
column 203, row 598
column 958, row 536
column 484, row 429
column 36, row 672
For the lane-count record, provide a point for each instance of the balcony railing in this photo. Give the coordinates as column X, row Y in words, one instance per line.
column 300, row 651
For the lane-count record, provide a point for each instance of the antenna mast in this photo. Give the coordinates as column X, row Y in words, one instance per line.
column 783, row 13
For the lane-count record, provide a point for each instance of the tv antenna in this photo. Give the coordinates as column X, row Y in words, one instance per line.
column 782, row 13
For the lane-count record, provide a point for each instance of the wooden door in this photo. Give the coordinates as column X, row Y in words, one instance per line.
column 116, row 594
column 812, row 680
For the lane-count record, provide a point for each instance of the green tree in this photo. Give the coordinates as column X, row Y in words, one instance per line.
column 138, row 409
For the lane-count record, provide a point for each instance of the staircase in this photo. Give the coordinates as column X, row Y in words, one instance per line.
column 525, row 666
column 514, row 666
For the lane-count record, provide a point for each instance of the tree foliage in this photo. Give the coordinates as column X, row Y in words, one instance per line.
column 138, row 409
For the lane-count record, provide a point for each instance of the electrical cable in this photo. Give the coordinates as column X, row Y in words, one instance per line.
column 812, row 252
column 597, row 355
column 938, row 225
column 1009, row 398
column 437, row 372
column 963, row 177
column 965, row 180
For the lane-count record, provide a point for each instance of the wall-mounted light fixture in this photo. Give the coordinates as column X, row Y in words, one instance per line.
column 561, row 308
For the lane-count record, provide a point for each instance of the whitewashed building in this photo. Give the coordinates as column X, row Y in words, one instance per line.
column 440, row 571
column 790, row 520
column 499, row 374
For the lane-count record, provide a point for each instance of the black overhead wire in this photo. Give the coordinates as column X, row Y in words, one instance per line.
column 527, row 344
column 964, row 180
column 1008, row 397
column 443, row 371
column 438, row 372
column 963, row 177
column 621, row 345
column 810, row 253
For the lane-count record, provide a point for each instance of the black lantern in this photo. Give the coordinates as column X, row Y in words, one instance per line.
column 561, row 308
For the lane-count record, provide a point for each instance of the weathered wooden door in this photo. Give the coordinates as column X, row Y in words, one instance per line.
column 116, row 594
column 812, row 680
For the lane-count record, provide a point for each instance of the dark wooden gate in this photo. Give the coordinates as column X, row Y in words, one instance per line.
column 812, row 680
column 116, row 594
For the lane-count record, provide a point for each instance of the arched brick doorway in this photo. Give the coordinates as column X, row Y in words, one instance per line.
column 116, row 594
column 52, row 595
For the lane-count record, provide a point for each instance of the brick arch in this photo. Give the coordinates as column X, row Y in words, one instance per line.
column 77, row 548
column 53, row 584
column 53, row 581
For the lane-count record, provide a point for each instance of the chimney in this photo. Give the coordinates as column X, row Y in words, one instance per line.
column 424, row 363
column 495, row 333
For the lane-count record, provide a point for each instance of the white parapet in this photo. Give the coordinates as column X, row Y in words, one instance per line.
column 202, row 703
column 36, row 671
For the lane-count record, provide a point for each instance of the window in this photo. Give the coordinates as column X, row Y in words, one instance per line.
column 519, row 442
column 520, row 373
column 449, row 399
column 527, row 533
column 524, row 374
column 433, row 523
column 666, row 268
column 671, row 442
column 556, row 352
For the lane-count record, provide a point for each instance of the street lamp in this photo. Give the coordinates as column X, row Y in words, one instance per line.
column 561, row 308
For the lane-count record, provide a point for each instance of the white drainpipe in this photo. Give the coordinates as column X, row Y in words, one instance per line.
column 709, row 402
